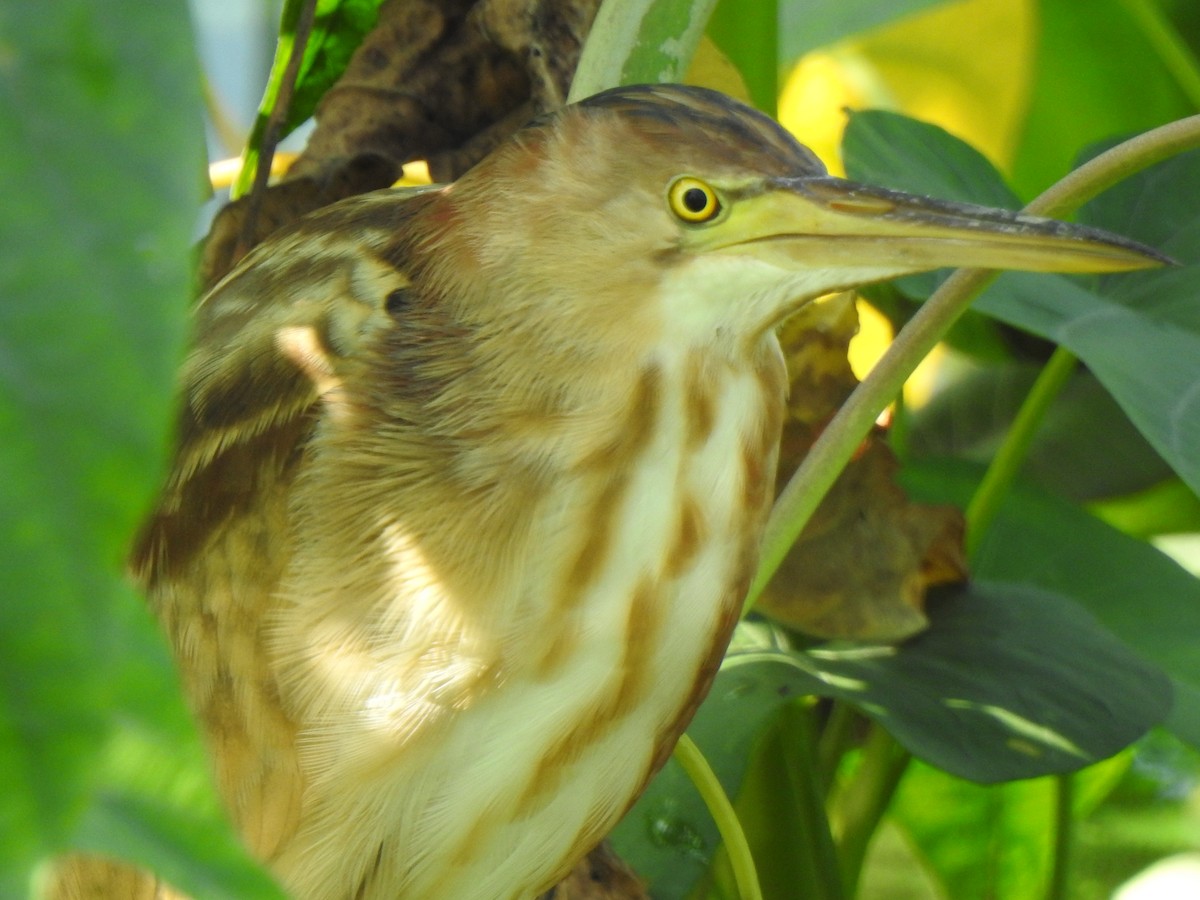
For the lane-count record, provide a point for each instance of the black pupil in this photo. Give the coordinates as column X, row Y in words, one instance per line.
column 695, row 199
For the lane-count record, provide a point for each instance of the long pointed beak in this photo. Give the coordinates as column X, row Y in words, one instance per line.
column 844, row 233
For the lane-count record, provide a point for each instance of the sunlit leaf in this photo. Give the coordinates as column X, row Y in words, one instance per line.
column 640, row 41
column 989, row 841
column 338, row 29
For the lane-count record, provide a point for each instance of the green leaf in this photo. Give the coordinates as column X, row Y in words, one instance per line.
column 1009, row 682
column 1137, row 592
column 1139, row 333
column 338, row 28
column 808, row 24
column 748, row 33
column 639, row 41
column 1096, row 75
column 1140, row 336
column 989, row 841
column 896, row 151
column 103, row 158
column 1085, row 447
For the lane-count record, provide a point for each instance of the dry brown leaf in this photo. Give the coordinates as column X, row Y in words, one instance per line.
column 864, row 562
column 439, row 80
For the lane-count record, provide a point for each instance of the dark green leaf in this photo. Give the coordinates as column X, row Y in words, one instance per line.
column 1009, row 682
column 893, row 150
column 1139, row 335
column 1137, row 592
column 1085, row 447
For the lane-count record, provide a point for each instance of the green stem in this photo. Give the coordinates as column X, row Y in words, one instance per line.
column 689, row 757
column 803, row 773
column 1064, row 830
column 837, row 443
column 1177, row 58
column 1009, row 458
column 296, row 23
column 866, row 799
column 836, row 738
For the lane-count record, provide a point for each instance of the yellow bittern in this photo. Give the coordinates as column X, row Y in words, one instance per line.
column 470, row 483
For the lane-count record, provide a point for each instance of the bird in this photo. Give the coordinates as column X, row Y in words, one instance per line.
column 470, row 480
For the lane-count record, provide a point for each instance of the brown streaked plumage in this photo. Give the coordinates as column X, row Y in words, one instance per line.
column 470, row 483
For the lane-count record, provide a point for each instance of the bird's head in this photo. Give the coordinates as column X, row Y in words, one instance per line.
column 676, row 208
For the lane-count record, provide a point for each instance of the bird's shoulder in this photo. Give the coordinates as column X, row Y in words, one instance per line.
column 285, row 328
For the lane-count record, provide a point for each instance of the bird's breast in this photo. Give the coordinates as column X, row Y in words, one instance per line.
column 551, row 704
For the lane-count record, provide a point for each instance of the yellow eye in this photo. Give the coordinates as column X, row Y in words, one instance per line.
column 693, row 200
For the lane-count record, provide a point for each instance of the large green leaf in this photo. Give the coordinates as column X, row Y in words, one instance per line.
column 1009, row 682
column 893, row 150
column 1096, row 75
column 1139, row 333
column 102, row 156
column 1137, row 592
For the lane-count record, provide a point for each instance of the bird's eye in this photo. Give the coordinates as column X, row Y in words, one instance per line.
column 692, row 200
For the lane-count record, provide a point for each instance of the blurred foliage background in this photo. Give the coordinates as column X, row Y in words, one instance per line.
column 102, row 145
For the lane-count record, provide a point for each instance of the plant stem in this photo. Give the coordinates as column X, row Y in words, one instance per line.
column 835, row 739
column 260, row 146
column 1064, row 830
column 1011, row 455
column 837, row 443
column 689, row 757
column 803, row 772
column 866, row 799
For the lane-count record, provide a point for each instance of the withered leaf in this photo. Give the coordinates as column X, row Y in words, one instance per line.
column 862, row 566
column 439, row 80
